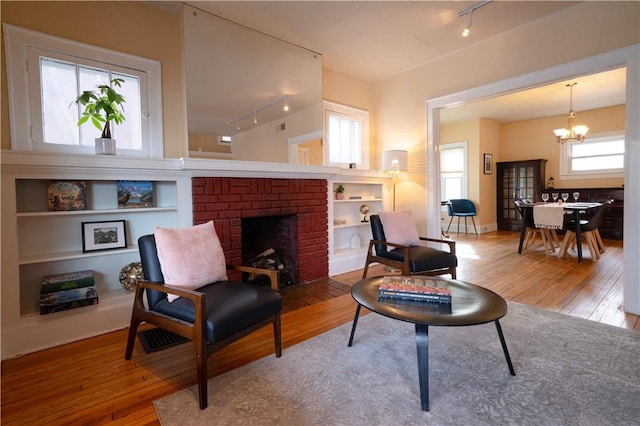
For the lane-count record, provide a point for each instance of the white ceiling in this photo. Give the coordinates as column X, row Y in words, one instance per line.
column 375, row 40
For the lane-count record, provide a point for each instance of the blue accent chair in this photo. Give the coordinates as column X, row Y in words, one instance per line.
column 462, row 208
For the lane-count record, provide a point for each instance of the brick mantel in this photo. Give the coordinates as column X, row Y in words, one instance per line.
column 226, row 200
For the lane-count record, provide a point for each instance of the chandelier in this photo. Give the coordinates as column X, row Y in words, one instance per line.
column 571, row 133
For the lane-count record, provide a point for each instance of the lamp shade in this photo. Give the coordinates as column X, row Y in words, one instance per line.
column 395, row 160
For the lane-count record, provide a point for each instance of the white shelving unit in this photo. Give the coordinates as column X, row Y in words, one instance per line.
column 349, row 236
column 38, row 242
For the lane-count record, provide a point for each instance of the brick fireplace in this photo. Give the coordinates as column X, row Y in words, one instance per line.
column 227, row 200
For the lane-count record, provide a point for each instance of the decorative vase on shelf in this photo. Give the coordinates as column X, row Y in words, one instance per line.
column 339, row 195
column 105, row 146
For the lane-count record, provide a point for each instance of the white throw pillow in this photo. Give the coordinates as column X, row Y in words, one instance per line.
column 190, row 257
column 400, row 228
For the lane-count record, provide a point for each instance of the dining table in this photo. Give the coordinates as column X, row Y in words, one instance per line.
column 577, row 209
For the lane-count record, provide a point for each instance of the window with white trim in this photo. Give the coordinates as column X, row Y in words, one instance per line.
column 599, row 156
column 347, row 135
column 47, row 73
column 453, row 171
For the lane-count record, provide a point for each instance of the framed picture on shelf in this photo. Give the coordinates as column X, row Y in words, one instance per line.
column 488, row 164
column 106, row 235
column 134, row 193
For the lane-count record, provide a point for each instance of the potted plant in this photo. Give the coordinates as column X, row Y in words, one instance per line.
column 103, row 106
column 339, row 192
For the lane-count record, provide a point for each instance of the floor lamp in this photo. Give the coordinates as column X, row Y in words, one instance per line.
column 394, row 161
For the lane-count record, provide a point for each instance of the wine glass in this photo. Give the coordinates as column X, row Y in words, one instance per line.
column 554, row 195
column 545, row 196
column 565, row 196
column 576, row 195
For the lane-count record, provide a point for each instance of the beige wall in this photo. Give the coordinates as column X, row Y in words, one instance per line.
column 134, row 27
column 527, row 140
column 578, row 32
column 206, row 143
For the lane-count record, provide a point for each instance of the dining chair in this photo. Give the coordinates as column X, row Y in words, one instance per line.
column 588, row 231
column 548, row 236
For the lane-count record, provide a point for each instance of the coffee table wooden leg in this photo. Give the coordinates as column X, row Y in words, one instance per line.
column 504, row 348
column 355, row 323
column 422, row 346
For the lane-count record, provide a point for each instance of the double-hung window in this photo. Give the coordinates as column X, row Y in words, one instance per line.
column 453, row 170
column 347, row 135
column 46, row 75
column 599, row 156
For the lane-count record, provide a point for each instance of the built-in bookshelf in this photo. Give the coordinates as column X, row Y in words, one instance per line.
column 349, row 232
column 38, row 242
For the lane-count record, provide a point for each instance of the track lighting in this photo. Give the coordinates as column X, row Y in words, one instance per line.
column 467, row 29
column 469, row 11
column 254, row 114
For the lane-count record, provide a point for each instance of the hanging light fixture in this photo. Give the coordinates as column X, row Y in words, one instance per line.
column 571, row 133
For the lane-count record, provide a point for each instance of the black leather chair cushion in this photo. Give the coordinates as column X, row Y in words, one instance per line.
column 231, row 307
column 424, row 258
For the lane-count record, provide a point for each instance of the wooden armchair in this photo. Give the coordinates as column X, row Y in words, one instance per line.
column 212, row 316
column 411, row 260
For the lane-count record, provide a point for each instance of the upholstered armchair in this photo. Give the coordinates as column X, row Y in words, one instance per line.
column 462, row 208
column 208, row 309
column 403, row 249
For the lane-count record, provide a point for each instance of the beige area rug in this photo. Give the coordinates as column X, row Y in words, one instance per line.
column 569, row 371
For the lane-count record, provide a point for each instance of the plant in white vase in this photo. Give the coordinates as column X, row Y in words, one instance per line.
column 103, row 106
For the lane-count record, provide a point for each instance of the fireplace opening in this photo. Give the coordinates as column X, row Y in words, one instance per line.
column 270, row 242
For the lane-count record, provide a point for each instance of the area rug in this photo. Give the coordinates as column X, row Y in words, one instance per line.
column 569, row 371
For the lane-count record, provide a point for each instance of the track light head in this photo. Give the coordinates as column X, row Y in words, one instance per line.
column 467, row 29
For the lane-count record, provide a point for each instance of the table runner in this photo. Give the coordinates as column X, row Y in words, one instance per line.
column 548, row 216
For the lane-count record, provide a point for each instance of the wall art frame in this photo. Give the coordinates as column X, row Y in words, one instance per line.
column 103, row 235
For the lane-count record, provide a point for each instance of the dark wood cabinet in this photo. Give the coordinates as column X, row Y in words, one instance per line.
column 517, row 180
column 612, row 222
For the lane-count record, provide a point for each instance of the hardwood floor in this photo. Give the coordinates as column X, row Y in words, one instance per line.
column 89, row 382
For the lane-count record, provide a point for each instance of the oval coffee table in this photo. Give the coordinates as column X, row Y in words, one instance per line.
column 470, row 305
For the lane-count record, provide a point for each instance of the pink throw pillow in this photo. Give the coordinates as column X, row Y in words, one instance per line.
column 190, row 257
column 400, row 228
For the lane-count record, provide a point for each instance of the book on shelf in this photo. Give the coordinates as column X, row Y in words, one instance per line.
column 67, row 281
column 61, row 292
column 67, row 195
column 134, row 193
column 415, row 288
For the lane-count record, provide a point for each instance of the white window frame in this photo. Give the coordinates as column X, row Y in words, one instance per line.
column 355, row 114
column 465, row 170
column 565, row 159
column 25, row 105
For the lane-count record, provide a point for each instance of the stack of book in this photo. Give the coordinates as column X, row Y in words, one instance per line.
column 415, row 288
column 67, row 291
